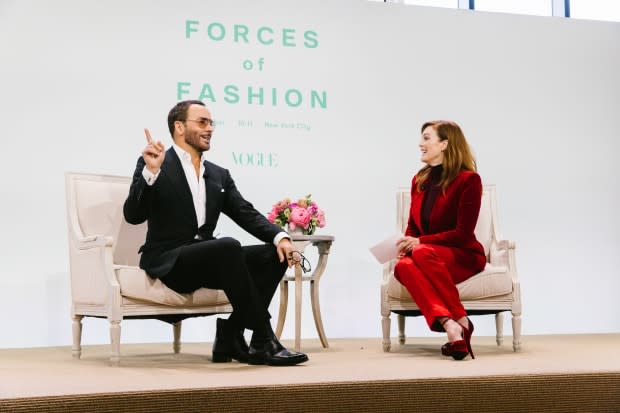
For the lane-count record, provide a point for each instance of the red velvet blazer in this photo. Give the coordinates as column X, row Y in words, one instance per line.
column 453, row 218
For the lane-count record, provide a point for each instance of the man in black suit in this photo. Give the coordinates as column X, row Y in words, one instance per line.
column 181, row 195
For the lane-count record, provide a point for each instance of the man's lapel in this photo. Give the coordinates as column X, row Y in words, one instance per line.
column 214, row 193
column 174, row 172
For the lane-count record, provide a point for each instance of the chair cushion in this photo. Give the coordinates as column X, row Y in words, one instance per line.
column 491, row 282
column 136, row 284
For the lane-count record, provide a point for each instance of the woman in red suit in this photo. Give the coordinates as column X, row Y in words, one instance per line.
column 439, row 248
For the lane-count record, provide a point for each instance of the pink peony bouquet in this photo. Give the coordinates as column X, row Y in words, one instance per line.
column 304, row 214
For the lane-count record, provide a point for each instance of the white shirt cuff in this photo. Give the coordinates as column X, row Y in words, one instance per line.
column 279, row 237
column 149, row 176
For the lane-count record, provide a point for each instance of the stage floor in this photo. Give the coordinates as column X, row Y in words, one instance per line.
column 51, row 371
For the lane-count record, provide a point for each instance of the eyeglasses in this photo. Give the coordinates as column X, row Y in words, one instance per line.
column 202, row 122
column 298, row 258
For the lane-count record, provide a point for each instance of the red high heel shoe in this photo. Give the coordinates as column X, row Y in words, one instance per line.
column 459, row 349
column 467, row 333
column 456, row 349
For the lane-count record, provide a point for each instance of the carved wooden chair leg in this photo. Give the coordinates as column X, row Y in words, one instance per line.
column 516, row 332
column 499, row 328
column 386, row 324
column 76, row 351
column 115, row 339
column 401, row 329
column 176, row 332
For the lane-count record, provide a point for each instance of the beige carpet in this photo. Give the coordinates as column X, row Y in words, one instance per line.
column 551, row 373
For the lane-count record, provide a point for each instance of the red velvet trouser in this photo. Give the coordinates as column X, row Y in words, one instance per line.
column 430, row 274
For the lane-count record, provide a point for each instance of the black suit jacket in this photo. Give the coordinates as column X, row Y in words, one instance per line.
column 168, row 207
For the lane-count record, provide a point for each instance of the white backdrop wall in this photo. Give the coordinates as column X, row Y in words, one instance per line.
column 538, row 99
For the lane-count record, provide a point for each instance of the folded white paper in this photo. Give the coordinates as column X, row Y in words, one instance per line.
column 387, row 249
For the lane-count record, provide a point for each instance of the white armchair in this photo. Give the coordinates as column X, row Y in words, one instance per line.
column 493, row 291
column 106, row 281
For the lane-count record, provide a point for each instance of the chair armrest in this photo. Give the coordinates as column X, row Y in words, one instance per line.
column 503, row 254
column 505, row 244
column 94, row 241
column 388, row 270
column 93, row 279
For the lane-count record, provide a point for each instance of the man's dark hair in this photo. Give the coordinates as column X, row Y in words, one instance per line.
column 179, row 112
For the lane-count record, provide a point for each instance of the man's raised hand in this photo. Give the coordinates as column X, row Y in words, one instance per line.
column 153, row 154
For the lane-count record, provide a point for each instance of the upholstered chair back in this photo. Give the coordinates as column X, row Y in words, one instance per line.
column 99, row 206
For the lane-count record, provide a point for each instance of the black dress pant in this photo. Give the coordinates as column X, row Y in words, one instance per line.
column 248, row 275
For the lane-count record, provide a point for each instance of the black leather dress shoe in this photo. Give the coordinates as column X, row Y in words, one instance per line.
column 229, row 344
column 272, row 353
